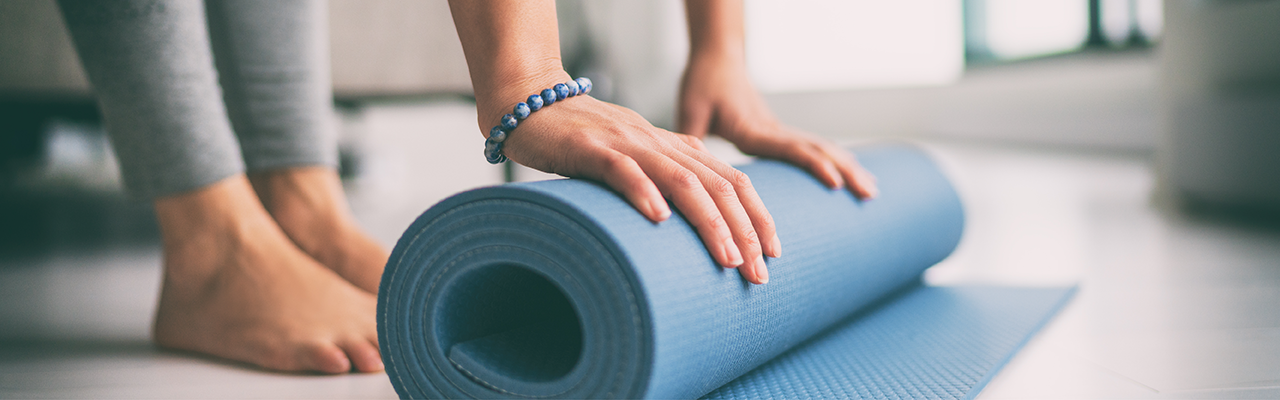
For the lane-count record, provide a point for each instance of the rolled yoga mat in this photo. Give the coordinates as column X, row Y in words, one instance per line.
column 560, row 289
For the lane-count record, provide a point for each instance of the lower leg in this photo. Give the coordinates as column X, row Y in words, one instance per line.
column 236, row 287
column 152, row 72
column 309, row 205
column 273, row 62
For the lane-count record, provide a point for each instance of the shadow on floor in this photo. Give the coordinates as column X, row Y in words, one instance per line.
column 1256, row 218
column 74, row 349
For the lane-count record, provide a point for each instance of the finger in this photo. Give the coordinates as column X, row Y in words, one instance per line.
column 819, row 164
column 751, row 202
column 724, row 193
column 694, row 120
column 861, row 182
column 687, row 192
column 867, row 181
column 694, row 142
column 622, row 173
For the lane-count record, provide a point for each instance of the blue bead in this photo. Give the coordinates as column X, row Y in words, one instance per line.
column 548, row 96
column 497, row 134
column 562, row 91
column 495, row 158
column 535, row 102
column 522, row 110
column 493, row 152
column 489, row 156
column 574, row 90
column 492, row 146
column 509, row 122
column 585, row 84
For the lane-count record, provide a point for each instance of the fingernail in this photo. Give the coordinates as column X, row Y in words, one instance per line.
column 776, row 245
column 836, row 180
column 660, row 208
column 762, row 272
column 731, row 253
column 836, row 184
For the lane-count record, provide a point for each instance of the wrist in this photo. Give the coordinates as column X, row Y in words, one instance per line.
column 716, row 29
column 722, row 50
column 718, row 57
column 493, row 102
column 501, row 93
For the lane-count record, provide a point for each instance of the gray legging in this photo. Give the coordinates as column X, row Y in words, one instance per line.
column 171, row 115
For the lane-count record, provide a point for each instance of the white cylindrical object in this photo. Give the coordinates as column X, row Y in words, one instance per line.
column 1116, row 20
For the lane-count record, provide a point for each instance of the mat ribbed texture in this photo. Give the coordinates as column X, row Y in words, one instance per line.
column 928, row 343
column 561, row 289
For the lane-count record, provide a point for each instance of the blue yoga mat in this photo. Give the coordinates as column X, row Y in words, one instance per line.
column 560, row 289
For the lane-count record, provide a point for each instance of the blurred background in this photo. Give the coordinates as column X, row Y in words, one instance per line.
column 1129, row 146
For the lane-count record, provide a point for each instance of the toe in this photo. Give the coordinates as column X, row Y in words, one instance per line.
column 363, row 355
column 325, row 358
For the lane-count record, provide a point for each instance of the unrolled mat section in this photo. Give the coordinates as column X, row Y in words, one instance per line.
column 560, row 289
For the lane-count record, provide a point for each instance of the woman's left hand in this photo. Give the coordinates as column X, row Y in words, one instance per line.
column 716, row 96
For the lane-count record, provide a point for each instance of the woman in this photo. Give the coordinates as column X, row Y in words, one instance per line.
column 218, row 112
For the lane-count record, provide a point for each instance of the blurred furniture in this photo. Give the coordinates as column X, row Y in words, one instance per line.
column 388, row 47
column 379, row 49
column 1221, row 82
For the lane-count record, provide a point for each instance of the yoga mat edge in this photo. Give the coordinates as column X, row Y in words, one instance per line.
column 561, row 289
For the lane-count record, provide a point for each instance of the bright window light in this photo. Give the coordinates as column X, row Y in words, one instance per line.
column 1149, row 15
column 1028, row 28
column 1116, row 21
column 817, row 45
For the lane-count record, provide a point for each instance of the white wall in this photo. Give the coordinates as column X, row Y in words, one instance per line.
column 793, row 46
column 819, row 45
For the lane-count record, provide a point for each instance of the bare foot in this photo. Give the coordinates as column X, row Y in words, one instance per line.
column 309, row 205
column 235, row 287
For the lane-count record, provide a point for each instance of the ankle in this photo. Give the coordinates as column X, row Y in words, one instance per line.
column 308, row 196
column 211, row 221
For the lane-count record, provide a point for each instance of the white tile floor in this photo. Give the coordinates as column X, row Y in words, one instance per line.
column 1169, row 307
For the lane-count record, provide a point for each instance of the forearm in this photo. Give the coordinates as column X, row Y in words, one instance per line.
column 716, row 29
column 512, row 49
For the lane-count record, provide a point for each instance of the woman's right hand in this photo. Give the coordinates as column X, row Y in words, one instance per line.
column 587, row 138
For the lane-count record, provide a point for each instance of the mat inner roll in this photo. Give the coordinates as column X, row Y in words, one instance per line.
column 515, row 286
column 561, row 289
column 527, row 331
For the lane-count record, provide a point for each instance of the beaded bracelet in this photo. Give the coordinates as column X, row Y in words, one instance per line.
column 498, row 134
